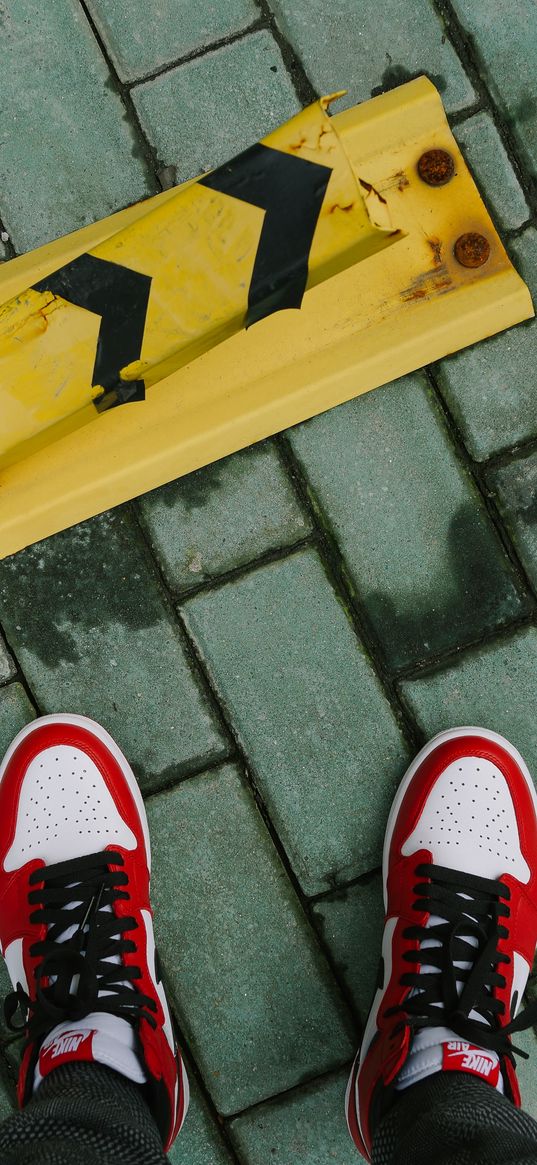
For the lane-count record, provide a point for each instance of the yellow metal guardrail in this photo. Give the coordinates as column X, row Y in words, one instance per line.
column 223, row 253
column 371, row 216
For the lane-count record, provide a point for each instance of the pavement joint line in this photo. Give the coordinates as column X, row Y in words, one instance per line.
column 274, row 554
column 304, row 89
column 464, row 45
column 462, row 115
column 335, row 568
column 508, row 455
column 249, row 773
column 448, row 658
column 195, row 54
column 200, row 675
column 342, row 887
column 199, row 770
column 242, row 761
column 516, row 232
column 12, row 254
column 19, row 676
column 327, row 1075
column 419, row 667
column 476, row 475
column 193, row 1070
column 152, row 162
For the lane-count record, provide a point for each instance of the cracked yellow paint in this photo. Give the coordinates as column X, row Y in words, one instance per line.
column 404, row 307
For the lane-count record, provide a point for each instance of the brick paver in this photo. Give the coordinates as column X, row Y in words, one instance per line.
column 421, row 550
column 201, row 1141
column 487, row 158
column 69, row 155
column 16, row 710
column 278, row 665
column 351, row 923
column 344, row 46
column 495, row 687
column 490, row 387
column 252, row 990
column 223, row 517
column 201, row 113
column 326, row 751
column 308, row 1126
column 515, row 489
column 7, row 666
column 94, row 634
column 505, row 43
column 146, row 36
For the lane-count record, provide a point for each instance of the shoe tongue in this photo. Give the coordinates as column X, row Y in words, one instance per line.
column 99, row 1038
column 436, row 1049
column 439, row 1049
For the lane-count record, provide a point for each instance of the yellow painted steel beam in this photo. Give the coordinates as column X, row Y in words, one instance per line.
column 395, row 310
column 225, row 252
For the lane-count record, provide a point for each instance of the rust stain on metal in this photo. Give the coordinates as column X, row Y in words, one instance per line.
column 372, row 190
column 436, row 167
column 397, row 181
column 471, row 249
column 435, row 281
column 298, row 145
column 436, row 248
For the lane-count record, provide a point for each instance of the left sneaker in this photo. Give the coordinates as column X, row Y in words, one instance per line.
column 76, row 924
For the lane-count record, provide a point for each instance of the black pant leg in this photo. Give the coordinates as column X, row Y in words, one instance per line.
column 453, row 1118
column 83, row 1114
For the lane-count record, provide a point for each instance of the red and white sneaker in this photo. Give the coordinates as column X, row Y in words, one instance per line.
column 460, row 895
column 76, row 925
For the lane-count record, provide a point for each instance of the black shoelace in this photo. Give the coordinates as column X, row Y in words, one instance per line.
column 74, row 972
column 461, row 991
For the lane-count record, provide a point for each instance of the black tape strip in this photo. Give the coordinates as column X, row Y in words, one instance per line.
column 291, row 190
column 120, row 296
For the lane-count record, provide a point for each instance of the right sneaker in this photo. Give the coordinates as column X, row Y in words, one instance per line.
column 460, row 897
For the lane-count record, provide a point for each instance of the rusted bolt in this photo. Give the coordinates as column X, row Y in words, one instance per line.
column 471, row 250
column 436, row 167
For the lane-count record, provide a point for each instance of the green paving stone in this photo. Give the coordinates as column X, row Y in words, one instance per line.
column 494, row 687
column 86, row 618
column 8, row 1102
column 483, row 149
column 7, row 667
column 222, row 516
column 308, row 1126
column 175, row 30
column 505, row 40
column 417, row 541
column 321, row 737
column 524, row 250
column 515, row 489
column 69, row 155
column 351, row 923
column 249, row 984
column 345, row 45
column 15, row 711
column 200, row 1141
column 4, row 254
column 490, row 388
column 202, row 113
column 5, row 989
column 526, row 1069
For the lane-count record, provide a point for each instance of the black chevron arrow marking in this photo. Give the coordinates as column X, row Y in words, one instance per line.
column 120, row 296
column 291, row 190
